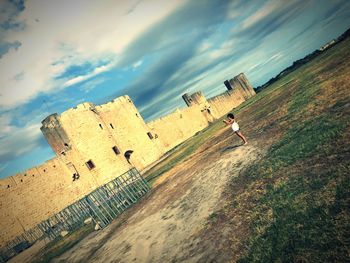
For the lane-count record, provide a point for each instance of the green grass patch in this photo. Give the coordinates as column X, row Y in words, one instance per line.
column 304, row 140
column 303, row 213
column 309, row 219
column 304, row 217
column 304, row 226
column 307, row 91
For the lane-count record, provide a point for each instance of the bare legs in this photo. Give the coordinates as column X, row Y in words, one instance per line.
column 240, row 135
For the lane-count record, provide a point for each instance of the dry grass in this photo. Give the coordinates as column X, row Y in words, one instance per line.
column 292, row 204
column 295, row 198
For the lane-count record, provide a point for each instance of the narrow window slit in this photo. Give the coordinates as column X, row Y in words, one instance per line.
column 150, row 135
column 90, row 164
column 116, row 150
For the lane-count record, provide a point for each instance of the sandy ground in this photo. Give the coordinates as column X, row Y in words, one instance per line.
column 164, row 226
column 169, row 224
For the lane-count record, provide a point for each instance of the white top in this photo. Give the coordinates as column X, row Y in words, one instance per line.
column 235, row 126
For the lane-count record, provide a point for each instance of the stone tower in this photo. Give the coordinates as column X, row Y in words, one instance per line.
column 241, row 83
column 199, row 100
column 55, row 134
column 92, row 140
column 245, row 84
column 188, row 100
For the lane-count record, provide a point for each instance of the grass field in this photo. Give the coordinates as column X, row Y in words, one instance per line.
column 293, row 202
column 296, row 198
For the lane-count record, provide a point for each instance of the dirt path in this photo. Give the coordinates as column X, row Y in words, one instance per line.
column 164, row 226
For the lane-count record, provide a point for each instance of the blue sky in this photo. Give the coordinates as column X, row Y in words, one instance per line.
column 57, row 54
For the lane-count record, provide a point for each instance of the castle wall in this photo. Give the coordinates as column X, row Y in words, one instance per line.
column 199, row 99
column 90, row 142
column 36, row 194
column 224, row 102
column 178, row 126
column 202, row 104
column 246, row 84
column 30, row 197
column 241, row 83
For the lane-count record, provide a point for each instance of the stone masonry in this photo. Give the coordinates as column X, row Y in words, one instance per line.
column 90, row 142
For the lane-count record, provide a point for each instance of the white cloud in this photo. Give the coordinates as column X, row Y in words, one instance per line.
column 204, row 47
column 21, row 136
column 137, row 64
column 90, row 85
column 19, row 141
column 70, row 33
column 272, row 7
column 227, row 48
column 6, row 127
column 81, row 78
column 263, row 12
column 263, row 60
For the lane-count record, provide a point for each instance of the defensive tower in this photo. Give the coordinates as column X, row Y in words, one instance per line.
column 241, row 83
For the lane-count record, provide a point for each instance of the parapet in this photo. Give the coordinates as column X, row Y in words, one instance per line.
column 49, row 120
column 195, row 98
column 198, row 97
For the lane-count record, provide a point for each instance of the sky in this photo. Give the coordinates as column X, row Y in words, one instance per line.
column 57, row 54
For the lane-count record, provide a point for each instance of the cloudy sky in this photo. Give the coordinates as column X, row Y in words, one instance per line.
column 57, row 54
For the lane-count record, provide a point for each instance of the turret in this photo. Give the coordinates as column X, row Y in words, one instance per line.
column 241, row 83
column 186, row 97
column 198, row 98
column 54, row 133
column 195, row 98
column 244, row 83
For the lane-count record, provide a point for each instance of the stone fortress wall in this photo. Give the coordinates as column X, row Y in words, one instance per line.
column 90, row 142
